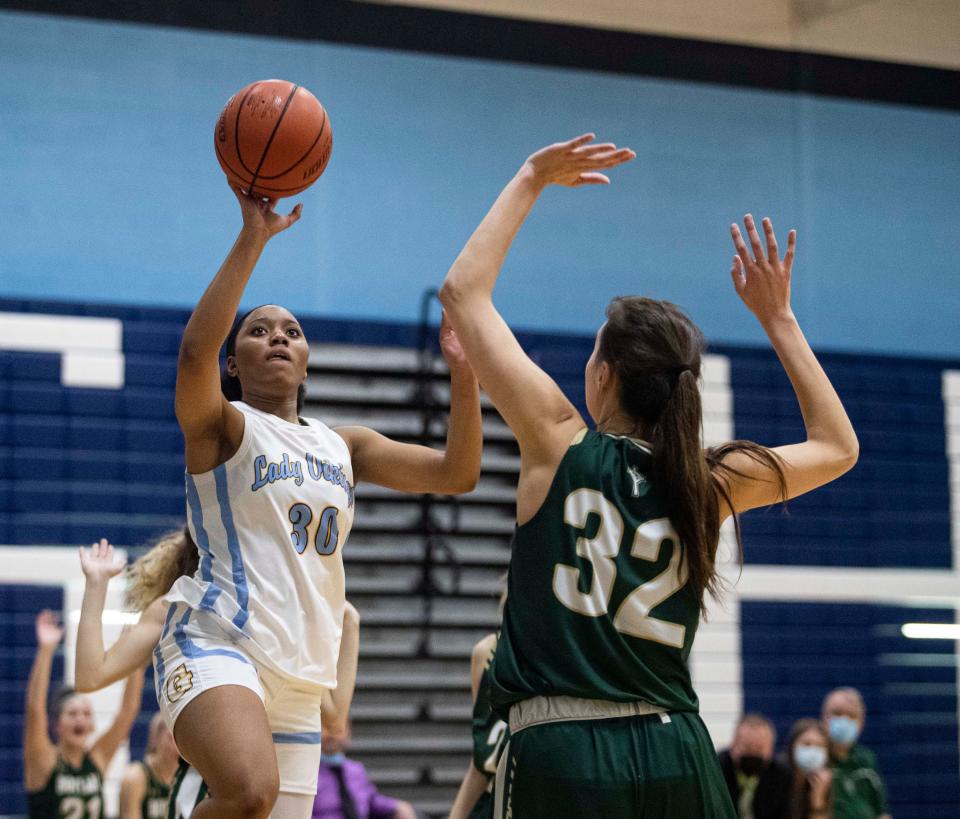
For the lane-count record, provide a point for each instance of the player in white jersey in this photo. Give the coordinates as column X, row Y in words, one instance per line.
column 255, row 633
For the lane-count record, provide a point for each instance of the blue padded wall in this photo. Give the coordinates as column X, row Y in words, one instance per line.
column 794, row 653
column 19, row 606
column 113, row 463
column 893, row 509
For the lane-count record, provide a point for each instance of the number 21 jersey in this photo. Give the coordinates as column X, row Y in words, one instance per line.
column 270, row 524
column 597, row 601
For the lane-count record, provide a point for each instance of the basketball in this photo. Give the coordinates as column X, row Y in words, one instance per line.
column 273, row 139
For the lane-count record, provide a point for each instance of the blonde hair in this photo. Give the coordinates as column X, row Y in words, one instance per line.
column 173, row 555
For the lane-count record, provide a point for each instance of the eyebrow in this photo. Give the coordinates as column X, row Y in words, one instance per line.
column 265, row 320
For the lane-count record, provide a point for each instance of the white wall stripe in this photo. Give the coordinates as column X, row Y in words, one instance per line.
column 92, row 348
column 951, row 419
column 715, row 661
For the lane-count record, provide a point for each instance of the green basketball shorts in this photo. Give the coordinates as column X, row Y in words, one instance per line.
column 654, row 766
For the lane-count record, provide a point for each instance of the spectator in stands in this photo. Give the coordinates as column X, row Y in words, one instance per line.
column 858, row 790
column 344, row 791
column 807, row 755
column 758, row 783
column 66, row 779
column 145, row 789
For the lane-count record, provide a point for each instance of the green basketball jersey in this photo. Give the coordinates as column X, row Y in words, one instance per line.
column 490, row 733
column 70, row 793
column 597, row 602
column 157, row 797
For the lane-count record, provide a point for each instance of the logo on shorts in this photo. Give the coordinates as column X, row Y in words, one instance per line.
column 179, row 683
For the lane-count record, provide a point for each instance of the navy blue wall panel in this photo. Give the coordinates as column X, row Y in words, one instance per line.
column 893, row 508
column 794, row 653
column 19, row 606
column 114, row 459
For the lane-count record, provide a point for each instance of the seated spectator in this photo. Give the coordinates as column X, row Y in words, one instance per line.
column 808, row 757
column 858, row 790
column 345, row 792
column 758, row 783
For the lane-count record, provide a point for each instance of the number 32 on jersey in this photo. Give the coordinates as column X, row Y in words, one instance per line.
column 633, row 616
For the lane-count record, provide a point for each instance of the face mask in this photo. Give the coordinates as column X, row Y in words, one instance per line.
column 335, row 760
column 843, row 730
column 751, row 765
column 809, row 758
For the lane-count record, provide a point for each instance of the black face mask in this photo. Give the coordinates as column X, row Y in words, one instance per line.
column 752, row 765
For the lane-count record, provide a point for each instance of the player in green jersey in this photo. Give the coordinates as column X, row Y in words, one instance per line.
column 490, row 734
column 145, row 788
column 617, row 527
column 65, row 780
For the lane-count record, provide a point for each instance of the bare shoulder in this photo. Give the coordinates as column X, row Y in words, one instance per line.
column 537, row 471
column 355, row 437
column 155, row 613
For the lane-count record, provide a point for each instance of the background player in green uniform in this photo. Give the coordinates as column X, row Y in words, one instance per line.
column 145, row 788
column 65, row 781
column 490, row 734
column 618, row 528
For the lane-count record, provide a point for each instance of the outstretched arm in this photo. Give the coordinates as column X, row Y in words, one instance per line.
column 133, row 789
column 111, row 739
column 39, row 754
column 212, row 427
column 335, row 710
column 528, row 399
column 96, row 668
column 414, row 468
column 762, row 280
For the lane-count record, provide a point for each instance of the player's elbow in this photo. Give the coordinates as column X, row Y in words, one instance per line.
column 849, row 452
column 451, row 293
column 843, row 455
column 461, row 483
column 85, row 682
column 351, row 617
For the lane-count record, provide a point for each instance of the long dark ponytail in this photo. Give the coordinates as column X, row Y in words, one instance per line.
column 656, row 352
column 230, row 384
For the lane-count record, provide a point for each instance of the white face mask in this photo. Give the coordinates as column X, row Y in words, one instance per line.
column 809, row 758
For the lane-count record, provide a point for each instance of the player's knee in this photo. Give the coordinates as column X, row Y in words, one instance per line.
column 256, row 796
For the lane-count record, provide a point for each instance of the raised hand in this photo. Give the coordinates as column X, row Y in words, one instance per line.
column 453, row 353
column 820, row 787
column 259, row 214
column 99, row 564
column 49, row 630
column 762, row 279
column 577, row 162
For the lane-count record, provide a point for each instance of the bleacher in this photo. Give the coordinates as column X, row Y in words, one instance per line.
column 79, row 463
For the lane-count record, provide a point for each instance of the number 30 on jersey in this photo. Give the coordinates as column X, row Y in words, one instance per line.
column 326, row 536
column 633, row 616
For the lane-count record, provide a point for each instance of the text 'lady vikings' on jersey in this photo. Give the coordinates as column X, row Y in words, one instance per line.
column 270, row 524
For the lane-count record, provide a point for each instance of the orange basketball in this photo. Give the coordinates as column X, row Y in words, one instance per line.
column 273, row 139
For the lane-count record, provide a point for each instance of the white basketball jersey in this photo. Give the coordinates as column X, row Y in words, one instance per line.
column 270, row 524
